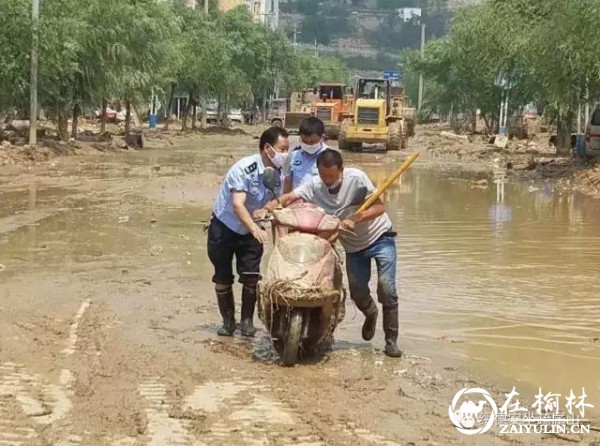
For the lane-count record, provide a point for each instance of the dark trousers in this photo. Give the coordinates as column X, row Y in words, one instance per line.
column 225, row 244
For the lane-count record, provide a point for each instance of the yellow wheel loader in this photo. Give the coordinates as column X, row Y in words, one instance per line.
column 293, row 111
column 379, row 117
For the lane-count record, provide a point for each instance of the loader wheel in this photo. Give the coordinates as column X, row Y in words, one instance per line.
column 342, row 143
column 404, row 130
column 394, row 136
column 333, row 131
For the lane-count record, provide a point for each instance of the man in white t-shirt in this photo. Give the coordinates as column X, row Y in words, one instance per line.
column 341, row 191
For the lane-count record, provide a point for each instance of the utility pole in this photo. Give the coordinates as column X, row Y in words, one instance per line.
column 295, row 33
column 206, row 7
column 422, row 57
column 587, row 103
column 33, row 106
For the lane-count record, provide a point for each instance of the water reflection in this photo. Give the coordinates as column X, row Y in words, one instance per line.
column 510, row 272
column 500, row 212
column 32, row 228
column 32, row 195
column 521, row 295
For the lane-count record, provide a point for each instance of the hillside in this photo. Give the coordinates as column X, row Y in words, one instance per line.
column 365, row 33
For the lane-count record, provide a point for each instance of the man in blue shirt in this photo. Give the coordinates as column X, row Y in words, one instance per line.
column 302, row 163
column 233, row 232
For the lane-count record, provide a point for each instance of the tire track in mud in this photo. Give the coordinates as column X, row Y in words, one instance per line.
column 162, row 429
column 72, row 342
column 29, row 405
column 312, row 426
column 13, row 431
column 67, row 379
column 26, row 402
column 229, row 412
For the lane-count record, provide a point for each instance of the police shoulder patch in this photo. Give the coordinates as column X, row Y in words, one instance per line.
column 251, row 168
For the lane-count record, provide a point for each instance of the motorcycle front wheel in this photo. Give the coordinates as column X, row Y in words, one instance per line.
column 291, row 341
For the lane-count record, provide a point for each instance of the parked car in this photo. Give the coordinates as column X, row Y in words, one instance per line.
column 112, row 115
column 212, row 115
column 235, row 116
column 592, row 134
column 530, row 111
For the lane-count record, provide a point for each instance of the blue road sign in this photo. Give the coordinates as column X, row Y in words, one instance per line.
column 391, row 75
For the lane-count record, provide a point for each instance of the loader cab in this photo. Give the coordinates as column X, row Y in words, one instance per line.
column 330, row 92
column 372, row 101
column 330, row 106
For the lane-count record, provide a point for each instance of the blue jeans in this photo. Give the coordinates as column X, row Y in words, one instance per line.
column 358, row 267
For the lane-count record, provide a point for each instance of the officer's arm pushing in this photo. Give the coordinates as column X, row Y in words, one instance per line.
column 240, row 210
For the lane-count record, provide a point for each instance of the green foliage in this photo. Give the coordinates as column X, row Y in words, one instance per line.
column 324, row 20
column 396, row 35
column 380, row 62
column 396, row 4
column 548, row 48
column 15, row 38
column 99, row 50
column 310, row 69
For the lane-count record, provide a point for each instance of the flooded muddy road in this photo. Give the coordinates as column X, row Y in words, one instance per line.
column 108, row 319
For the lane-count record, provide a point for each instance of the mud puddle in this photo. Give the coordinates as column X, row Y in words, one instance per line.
column 495, row 289
column 504, row 276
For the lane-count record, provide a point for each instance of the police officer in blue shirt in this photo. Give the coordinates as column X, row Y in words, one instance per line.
column 233, row 232
column 302, row 163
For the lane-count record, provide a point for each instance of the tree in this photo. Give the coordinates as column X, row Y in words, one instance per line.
column 461, row 68
column 309, row 70
column 147, row 31
column 15, row 40
column 548, row 48
column 206, row 59
column 562, row 62
column 103, row 50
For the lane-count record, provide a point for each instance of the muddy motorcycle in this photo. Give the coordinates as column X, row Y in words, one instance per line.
column 301, row 297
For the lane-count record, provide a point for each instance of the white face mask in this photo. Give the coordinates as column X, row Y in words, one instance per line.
column 335, row 185
column 311, row 150
column 278, row 159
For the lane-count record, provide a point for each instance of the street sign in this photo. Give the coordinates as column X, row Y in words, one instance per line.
column 391, row 75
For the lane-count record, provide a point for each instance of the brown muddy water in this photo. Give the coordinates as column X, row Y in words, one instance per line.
column 506, row 275
column 504, row 284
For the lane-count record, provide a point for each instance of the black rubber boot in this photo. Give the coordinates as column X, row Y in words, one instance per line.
column 227, row 310
column 368, row 307
column 248, row 304
column 390, row 329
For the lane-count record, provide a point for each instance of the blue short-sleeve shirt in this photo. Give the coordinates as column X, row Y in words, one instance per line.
column 302, row 166
column 244, row 176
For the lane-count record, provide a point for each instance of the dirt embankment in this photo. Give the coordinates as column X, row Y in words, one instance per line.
column 533, row 159
column 90, row 141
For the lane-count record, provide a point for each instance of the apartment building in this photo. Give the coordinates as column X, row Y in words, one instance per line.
column 263, row 11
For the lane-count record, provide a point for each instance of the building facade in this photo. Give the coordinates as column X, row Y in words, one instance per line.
column 263, row 11
column 408, row 14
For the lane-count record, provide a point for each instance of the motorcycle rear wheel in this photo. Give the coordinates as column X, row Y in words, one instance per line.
column 291, row 341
